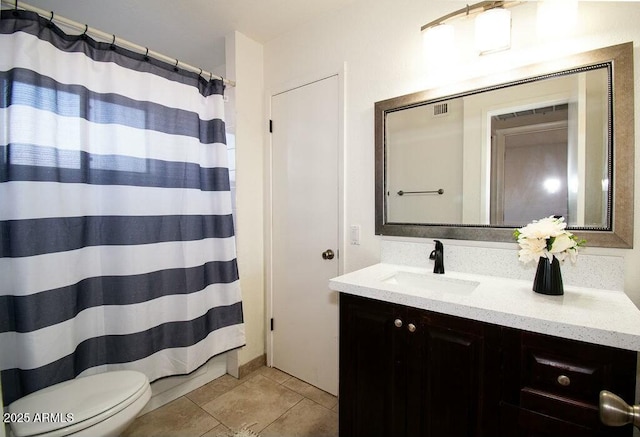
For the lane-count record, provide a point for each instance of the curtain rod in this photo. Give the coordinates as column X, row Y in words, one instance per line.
column 107, row 37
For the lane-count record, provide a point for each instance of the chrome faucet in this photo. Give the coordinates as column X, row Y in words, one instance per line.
column 438, row 256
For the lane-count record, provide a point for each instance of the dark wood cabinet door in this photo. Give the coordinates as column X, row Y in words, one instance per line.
column 372, row 382
column 445, row 369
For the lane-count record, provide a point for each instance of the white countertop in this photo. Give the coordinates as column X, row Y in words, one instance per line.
column 602, row 317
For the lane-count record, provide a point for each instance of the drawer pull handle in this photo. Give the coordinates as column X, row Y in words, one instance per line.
column 411, row 327
column 398, row 323
column 564, row 380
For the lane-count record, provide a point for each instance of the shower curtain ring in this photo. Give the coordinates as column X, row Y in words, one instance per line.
column 146, row 55
column 86, row 27
column 113, row 43
column 50, row 23
column 210, row 76
column 175, row 67
column 200, row 74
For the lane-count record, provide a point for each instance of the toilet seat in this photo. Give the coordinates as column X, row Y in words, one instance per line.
column 89, row 400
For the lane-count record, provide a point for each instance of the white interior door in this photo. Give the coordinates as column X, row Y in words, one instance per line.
column 305, row 225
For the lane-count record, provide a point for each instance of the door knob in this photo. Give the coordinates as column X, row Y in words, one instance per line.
column 616, row 412
column 328, row 254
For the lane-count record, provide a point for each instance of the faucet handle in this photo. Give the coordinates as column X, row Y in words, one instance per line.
column 438, row 256
column 439, row 248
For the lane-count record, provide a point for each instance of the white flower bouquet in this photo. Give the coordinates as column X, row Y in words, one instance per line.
column 548, row 238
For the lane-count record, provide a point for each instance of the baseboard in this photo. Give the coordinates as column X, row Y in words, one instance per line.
column 252, row 365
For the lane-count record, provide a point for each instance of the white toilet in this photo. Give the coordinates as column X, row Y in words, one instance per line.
column 97, row 405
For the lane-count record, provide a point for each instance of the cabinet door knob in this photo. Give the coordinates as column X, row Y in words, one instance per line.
column 564, row 380
column 398, row 323
column 411, row 327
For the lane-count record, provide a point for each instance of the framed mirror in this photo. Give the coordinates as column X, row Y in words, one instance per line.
column 478, row 159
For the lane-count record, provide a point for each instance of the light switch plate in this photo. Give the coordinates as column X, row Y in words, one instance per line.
column 354, row 235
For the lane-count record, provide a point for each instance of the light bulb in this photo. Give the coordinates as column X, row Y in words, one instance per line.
column 493, row 30
column 438, row 43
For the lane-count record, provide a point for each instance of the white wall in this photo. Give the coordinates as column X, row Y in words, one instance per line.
column 245, row 66
column 380, row 42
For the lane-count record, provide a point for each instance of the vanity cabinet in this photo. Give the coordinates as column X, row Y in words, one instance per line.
column 411, row 372
column 552, row 385
column 408, row 372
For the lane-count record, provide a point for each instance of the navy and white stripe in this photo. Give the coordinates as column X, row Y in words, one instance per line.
column 117, row 239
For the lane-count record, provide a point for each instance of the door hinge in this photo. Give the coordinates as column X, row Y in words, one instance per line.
column 272, row 323
column 270, row 126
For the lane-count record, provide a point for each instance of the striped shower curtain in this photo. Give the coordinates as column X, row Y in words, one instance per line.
column 117, row 242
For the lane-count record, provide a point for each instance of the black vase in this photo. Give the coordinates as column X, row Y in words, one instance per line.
column 548, row 277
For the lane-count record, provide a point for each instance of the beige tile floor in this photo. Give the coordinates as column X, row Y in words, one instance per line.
column 267, row 401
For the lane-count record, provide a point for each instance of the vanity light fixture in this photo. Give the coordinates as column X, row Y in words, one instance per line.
column 493, row 27
column 493, row 30
column 438, row 42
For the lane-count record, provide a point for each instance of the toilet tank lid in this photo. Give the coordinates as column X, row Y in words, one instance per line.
column 71, row 402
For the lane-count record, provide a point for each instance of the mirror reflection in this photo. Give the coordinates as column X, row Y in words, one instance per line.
column 505, row 156
column 476, row 159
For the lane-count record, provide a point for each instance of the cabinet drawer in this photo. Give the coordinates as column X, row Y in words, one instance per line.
column 521, row 422
column 574, row 370
column 564, row 376
column 582, row 413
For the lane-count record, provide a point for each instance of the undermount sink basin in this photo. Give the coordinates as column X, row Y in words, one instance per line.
column 432, row 282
